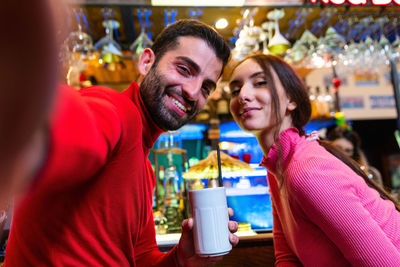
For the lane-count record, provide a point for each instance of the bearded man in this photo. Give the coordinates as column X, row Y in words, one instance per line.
column 90, row 203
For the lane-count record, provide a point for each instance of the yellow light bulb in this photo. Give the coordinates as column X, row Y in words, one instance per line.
column 221, row 23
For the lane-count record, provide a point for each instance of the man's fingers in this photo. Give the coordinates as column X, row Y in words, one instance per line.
column 233, row 226
column 233, row 239
column 187, row 224
column 230, row 212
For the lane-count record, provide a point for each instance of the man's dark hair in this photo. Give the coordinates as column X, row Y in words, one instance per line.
column 168, row 38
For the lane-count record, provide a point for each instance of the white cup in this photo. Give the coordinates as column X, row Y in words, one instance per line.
column 210, row 221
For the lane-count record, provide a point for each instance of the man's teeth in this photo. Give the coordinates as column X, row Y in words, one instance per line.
column 178, row 104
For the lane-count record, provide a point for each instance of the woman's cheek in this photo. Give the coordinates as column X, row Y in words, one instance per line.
column 235, row 109
column 232, row 105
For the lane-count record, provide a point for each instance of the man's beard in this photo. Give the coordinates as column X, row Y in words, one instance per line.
column 153, row 91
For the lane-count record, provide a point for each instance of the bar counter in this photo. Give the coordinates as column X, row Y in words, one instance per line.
column 252, row 250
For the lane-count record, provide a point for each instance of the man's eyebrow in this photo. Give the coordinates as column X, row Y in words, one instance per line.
column 191, row 63
column 197, row 68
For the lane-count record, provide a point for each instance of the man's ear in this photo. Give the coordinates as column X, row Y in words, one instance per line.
column 146, row 61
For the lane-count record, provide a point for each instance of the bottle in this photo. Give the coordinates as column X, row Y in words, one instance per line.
column 322, row 105
column 172, row 203
column 171, row 183
column 331, row 104
column 160, row 189
column 313, row 102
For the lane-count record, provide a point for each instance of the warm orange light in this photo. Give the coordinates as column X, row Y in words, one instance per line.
column 221, row 23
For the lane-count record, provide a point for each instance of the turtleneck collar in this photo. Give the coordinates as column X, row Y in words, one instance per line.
column 150, row 131
column 282, row 148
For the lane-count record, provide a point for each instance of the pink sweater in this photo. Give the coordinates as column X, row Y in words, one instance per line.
column 325, row 214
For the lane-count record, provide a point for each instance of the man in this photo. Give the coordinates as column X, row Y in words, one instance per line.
column 91, row 204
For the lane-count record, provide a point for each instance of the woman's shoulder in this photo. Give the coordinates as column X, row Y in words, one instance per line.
column 314, row 167
column 310, row 152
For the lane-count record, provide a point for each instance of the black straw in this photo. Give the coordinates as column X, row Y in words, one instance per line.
column 219, row 166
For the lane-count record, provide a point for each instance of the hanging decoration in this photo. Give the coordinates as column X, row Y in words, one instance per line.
column 109, row 48
column 144, row 39
column 278, row 44
column 248, row 35
column 76, row 51
column 195, row 13
column 170, row 17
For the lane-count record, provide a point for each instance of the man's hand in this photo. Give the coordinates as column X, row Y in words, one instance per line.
column 185, row 250
column 24, row 106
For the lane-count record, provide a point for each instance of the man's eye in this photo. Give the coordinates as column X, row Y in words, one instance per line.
column 183, row 70
column 206, row 90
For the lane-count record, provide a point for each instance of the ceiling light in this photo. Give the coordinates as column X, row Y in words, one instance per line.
column 221, row 23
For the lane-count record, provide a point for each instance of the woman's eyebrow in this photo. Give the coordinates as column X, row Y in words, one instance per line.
column 233, row 83
column 256, row 74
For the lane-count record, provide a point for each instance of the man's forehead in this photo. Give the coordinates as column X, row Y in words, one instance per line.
column 188, row 41
column 193, row 49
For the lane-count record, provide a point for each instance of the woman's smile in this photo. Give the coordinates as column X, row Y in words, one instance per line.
column 249, row 111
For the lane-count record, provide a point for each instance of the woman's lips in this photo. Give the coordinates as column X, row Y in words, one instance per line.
column 248, row 111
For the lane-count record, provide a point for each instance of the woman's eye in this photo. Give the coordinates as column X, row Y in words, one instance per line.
column 261, row 83
column 235, row 87
column 235, row 92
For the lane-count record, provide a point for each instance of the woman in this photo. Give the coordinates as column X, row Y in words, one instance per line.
column 325, row 212
column 349, row 142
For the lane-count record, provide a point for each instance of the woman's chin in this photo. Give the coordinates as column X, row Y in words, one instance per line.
column 249, row 127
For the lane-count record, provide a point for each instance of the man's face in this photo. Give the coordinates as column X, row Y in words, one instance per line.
column 176, row 89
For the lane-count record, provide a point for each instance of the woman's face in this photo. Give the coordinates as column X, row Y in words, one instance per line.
column 251, row 100
column 345, row 145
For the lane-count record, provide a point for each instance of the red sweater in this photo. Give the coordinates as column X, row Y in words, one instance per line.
column 92, row 202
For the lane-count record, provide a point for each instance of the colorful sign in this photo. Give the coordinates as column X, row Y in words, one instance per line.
column 370, row 78
column 382, row 101
column 352, row 102
column 358, row 2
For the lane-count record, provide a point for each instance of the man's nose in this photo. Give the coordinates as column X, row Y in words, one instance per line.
column 192, row 89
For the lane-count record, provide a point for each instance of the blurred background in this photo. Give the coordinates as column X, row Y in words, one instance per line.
column 346, row 51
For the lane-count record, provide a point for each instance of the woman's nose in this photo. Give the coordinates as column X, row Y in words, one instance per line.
column 244, row 95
